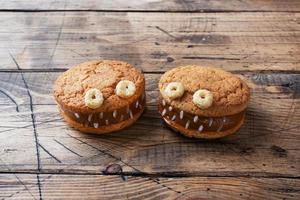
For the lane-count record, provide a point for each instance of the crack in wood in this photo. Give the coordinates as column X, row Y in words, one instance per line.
column 14, row 128
column 211, row 58
column 33, row 125
column 19, row 180
column 165, row 32
column 249, row 161
column 50, row 154
column 57, row 40
column 126, row 164
column 67, row 148
column 11, row 98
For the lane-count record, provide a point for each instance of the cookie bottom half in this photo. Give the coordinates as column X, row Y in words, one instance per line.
column 102, row 129
column 206, row 134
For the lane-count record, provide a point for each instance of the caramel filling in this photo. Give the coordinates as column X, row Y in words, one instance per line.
column 99, row 119
column 195, row 122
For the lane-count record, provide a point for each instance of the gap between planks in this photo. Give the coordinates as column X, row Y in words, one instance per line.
column 151, row 11
column 159, row 174
column 148, row 72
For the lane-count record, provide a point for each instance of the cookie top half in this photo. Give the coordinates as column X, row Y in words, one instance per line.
column 71, row 86
column 230, row 94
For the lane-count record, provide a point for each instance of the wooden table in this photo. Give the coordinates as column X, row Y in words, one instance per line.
column 41, row 157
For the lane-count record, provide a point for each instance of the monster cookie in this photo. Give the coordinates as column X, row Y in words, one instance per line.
column 100, row 96
column 202, row 102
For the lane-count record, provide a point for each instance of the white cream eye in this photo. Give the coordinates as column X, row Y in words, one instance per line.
column 125, row 88
column 174, row 90
column 93, row 98
column 203, row 98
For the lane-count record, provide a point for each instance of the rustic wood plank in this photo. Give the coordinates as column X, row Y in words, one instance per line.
column 267, row 145
column 18, row 186
column 154, row 42
column 130, row 187
column 153, row 5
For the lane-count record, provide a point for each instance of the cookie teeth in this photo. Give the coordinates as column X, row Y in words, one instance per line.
column 173, row 118
column 200, row 128
column 210, row 121
column 221, row 126
column 163, row 112
column 77, row 115
column 122, row 117
column 163, row 102
column 90, row 117
column 115, row 113
column 101, row 115
column 170, row 108
column 224, row 119
column 181, row 114
column 130, row 114
column 187, row 124
column 127, row 109
column 196, row 119
column 137, row 104
column 96, row 125
column 106, row 122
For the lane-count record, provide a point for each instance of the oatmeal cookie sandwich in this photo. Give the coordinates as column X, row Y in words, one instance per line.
column 202, row 102
column 100, row 96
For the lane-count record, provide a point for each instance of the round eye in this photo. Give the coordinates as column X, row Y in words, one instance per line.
column 174, row 90
column 93, row 98
column 125, row 88
column 203, row 98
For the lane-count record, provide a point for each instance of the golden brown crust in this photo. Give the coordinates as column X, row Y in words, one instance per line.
column 204, row 135
column 102, row 129
column 104, row 75
column 230, row 94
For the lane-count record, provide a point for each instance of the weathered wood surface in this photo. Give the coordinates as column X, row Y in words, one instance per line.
column 154, row 42
column 266, row 146
column 41, row 157
column 153, row 5
column 25, row 186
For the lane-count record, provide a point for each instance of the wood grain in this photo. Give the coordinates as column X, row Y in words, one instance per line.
column 153, row 5
column 131, row 187
column 266, row 146
column 153, row 42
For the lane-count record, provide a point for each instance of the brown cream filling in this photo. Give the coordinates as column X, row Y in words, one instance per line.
column 99, row 119
column 195, row 122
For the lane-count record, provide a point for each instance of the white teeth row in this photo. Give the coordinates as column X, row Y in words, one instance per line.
column 196, row 118
column 115, row 113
